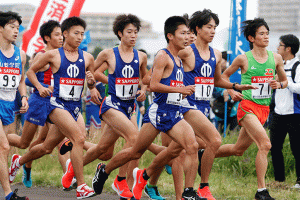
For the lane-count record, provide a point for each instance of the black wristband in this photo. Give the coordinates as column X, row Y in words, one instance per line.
column 24, row 96
column 233, row 86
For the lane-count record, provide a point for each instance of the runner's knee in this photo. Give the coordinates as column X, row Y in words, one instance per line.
column 4, row 148
column 192, row 148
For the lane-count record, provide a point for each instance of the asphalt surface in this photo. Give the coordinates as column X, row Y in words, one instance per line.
column 54, row 193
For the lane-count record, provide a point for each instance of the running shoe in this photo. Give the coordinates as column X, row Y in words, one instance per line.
column 65, row 147
column 200, row 154
column 72, row 186
column 67, row 178
column 205, row 192
column 27, row 177
column 99, row 178
column 189, row 194
column 83, row 191
column 263, row 195
column 168, row 169
column 121, row 188
column 16, row 197
column 139, row 183
column 152, row 193
column 14, row 167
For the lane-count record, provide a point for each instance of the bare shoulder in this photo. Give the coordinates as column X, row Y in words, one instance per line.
column 162, row 57
column 217, row 52
column 142, row 55
column 184, row 53
column 88, row 55
column 241, row 58
column 277, row 56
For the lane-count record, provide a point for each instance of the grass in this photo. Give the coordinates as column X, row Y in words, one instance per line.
column 231, row 177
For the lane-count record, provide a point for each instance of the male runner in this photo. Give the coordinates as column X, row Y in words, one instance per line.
column 125, row 66
column 258, row 69
column 37, row 113
column 163, row 115
column 12, row 61
column 69, row 65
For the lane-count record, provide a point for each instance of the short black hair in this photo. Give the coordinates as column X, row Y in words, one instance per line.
column 6, row 17
column 224, row 55
column 47, row 28
column 201, row 18
column 72, row 21
column 250, row 27
column 292, row 41
column 123, row 20
column 171, row 25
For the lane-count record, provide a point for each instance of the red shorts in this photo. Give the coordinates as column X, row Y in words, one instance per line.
column 249, row 107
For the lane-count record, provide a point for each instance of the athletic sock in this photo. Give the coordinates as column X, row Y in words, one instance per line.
column 119, row 178
column 202, row 185
column 9, row 196
column 145, row 176
column 261, row 189
column 151, row 186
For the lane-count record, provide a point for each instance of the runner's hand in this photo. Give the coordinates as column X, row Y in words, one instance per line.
column 90, row 78
column 25, row 105
column 274, row 84
column 245, row 87
column 141, row 95
column 51, row 88
column 95, row 96
column 44, row 92
column 187, row 90
column 235, row 96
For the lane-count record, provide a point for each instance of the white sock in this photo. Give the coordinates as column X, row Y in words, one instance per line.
column 261, row 189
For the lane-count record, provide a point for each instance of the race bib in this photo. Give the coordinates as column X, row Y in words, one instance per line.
column 126, row 88
column 70, row 88
column 204, row 88
column 9, row 78
column 264, row 90
column 175, row 98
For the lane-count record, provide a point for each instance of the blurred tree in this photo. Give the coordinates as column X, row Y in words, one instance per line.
column 96, row 51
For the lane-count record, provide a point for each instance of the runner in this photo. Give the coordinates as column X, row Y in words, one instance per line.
column 37, row 112
column 258, row 69
column 163, row 115
column 69, row 65
column 12, row 61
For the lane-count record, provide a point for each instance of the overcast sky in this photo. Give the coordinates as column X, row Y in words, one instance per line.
column 157, row 11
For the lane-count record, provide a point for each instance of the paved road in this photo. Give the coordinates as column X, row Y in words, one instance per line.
column 54, row 193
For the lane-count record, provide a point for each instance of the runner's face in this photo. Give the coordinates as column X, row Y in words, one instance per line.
column 10, row 31
column 181, row 37
column 192, row 37
column 261, row 37
column 129, row 35
column 56, row 40
column 74, row 36
column 207, row 32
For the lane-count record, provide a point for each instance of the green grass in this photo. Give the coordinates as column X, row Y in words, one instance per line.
column 231, row 178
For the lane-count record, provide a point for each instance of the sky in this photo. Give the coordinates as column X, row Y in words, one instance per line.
column 157, row 11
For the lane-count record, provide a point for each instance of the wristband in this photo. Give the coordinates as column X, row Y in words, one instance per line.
column 233, row 86
column 281, row 84
column 25, row 97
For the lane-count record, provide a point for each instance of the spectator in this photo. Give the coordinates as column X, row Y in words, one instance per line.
column 287, row 109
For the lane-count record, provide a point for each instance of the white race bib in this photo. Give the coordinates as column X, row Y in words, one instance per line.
column 70, row 88
column 126, row 88
column 9, row 78
column 264, row 89
column 175, row 98
column 204, row 88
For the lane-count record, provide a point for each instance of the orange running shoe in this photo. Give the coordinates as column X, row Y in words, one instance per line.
column 67, row 178
column 139, row 183
column 205, row 192
column 121, row 188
